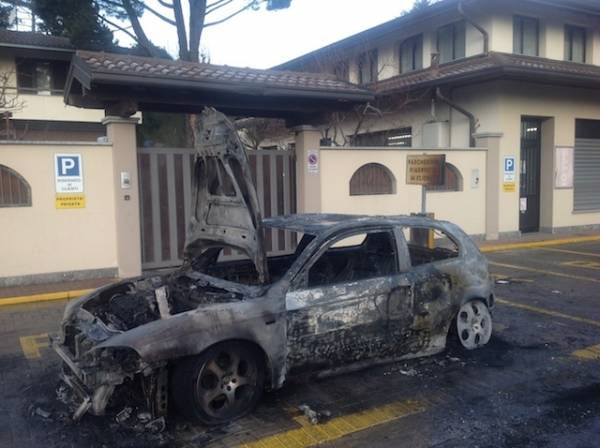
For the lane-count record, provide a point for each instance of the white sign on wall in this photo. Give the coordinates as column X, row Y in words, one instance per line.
column 509, row 168
column 68, row 173
column 563, row 172
column 312, row 161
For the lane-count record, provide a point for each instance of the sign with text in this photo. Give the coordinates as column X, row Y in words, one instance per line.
column 68, row 173
column 425, row 169
column 510, row 174
column 563, row 175
column 70, row 201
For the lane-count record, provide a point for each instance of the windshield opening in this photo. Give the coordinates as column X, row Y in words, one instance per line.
column 229, row 264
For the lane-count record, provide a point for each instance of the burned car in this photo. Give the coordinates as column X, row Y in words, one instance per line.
column 212, row 335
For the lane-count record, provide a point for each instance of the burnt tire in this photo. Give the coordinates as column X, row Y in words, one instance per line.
column 472, row 327
column 222, row 384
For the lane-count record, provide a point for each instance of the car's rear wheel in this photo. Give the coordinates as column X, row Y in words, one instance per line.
column 473, row 325
column 220, row 385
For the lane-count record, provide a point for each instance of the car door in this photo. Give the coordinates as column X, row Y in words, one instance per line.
column 428, row 282
column 337, row 306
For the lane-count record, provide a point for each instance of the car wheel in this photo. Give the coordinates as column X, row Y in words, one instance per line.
column 474, row 325
column 222, row 384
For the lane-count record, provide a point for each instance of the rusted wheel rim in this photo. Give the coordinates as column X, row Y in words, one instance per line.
column 474, row 325
column 227, row 383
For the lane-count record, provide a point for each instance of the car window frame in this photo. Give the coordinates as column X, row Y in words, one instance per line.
column 299, row 279
column 436, row 262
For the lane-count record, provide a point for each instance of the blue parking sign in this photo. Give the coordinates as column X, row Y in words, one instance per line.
column 68, row 165
column 68, row 173
column 509, row 164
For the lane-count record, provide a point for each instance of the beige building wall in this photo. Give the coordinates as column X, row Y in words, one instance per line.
column 466, row 208
column 495, row 17
column 552, row 25
column 46, row 107
column 42, row 239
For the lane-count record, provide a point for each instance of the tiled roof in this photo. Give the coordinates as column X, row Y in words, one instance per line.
column 33, row 40
column 97, row 64
column 486, row 66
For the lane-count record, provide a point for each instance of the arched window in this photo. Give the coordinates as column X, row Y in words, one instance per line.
column 372, row 178
column 14, row 189
column 453, row 180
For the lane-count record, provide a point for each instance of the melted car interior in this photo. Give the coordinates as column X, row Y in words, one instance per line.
column 237, row 268
column 427, row 245
column 357, row 257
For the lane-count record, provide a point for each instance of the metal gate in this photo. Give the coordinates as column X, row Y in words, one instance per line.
column 529, row 202
column 165, row 199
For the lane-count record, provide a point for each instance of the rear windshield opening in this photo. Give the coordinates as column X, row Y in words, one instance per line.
column 282, row 246
column 427, row 245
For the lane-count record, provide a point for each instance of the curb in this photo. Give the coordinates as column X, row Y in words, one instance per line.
column 534, row 244
column 45, row 297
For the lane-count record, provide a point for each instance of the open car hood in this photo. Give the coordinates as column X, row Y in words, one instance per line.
column 225, row 210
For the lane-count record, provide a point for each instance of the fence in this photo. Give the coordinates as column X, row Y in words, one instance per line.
column 165, row 199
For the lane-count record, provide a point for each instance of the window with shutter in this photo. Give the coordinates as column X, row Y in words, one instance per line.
column 575, row 44
column 14, row 189
column 371, row 179
column 526, row 36
column 411, row 54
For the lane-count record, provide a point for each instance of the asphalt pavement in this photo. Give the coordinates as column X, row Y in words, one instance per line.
column 536, row 384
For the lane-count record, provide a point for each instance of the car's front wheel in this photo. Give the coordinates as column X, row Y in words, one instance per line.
column 473, row 325
column 220, row 385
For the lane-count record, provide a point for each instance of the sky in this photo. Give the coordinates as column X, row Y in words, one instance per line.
column 262, row 39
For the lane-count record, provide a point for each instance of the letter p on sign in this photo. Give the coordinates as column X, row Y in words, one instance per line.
column 68, row 165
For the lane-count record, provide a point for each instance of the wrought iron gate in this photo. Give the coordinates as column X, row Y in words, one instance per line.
column 165, row 198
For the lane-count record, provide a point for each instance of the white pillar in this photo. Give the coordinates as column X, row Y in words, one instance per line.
column 308, row 169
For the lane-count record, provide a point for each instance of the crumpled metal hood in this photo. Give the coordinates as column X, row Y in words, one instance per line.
column 225, row 209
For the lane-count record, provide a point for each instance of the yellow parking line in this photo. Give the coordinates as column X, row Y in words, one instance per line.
column 541, row 271
column 311, row 435
column 588, row 353
column 586, row 264
column 547, row 312
column 62, row 295
column 31, row 345
column 567, row 251
column 536, row 244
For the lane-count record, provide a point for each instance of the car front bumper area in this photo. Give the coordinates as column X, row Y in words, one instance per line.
column 83, row 383
column 93, row 387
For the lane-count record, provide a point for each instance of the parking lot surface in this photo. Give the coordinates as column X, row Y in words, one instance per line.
column 537, row 383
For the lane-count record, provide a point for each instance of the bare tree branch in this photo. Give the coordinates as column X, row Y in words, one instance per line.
column 211, row 8
column 118, row 27
column 213, row 4
column 248, row 6
column 159, row 15
column 9, row 102
column 138, row 30
column 165, row 4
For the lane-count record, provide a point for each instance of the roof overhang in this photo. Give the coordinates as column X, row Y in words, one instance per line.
column 492, row 66
column 97, row 80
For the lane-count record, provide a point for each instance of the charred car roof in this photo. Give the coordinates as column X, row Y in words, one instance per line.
column 319, row 223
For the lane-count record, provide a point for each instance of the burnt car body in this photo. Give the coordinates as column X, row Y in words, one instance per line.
column 212, row 334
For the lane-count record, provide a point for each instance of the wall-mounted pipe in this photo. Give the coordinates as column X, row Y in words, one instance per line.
column 465, row 112
column 484, row 33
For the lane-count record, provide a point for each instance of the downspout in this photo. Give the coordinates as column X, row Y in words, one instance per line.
column 469, row 115
column 484, row 33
